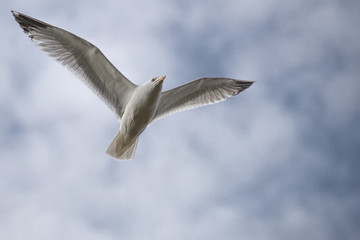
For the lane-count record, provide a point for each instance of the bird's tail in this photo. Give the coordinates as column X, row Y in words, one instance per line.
column 121, row 149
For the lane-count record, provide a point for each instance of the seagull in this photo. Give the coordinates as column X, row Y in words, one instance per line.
column 136, row 106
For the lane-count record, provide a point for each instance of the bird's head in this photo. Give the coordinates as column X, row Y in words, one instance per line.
column 151, row 88
column 157, row 80
column 155, row 83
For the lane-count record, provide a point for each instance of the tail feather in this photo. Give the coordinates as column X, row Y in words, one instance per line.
column 120, row 149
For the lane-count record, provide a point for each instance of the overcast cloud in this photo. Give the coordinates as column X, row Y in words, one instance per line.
column 279, row 161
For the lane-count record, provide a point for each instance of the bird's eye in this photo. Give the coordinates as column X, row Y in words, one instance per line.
column 153, row 79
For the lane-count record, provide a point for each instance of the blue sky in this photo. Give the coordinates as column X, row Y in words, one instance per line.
column 279, row 161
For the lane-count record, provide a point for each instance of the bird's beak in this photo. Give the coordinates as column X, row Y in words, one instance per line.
column 160, row 79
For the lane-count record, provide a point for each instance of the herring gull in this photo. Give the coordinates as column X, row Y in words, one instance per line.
column 136, row 105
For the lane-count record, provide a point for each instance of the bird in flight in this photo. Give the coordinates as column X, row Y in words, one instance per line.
column 136, row 105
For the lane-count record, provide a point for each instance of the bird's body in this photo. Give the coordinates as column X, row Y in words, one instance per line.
column 136, row 105
column 139, row 112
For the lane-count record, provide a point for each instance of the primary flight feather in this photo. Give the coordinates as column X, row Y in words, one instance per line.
column 136, row 105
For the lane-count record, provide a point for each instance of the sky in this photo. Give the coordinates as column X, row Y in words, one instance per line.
column 278, row 161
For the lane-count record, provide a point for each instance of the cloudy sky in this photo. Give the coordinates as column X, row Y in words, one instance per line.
column 279, row 161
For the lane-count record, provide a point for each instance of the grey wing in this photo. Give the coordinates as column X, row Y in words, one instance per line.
column 82, row 58
column 198, row 93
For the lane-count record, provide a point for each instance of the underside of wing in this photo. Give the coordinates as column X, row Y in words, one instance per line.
column 198, row 93
column 82, row 58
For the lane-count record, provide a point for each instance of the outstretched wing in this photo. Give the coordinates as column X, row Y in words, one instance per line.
column 198, row 93
column 82, row 58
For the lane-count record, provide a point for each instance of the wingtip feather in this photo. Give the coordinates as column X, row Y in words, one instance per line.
column 16, row 14
column 27, row 23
